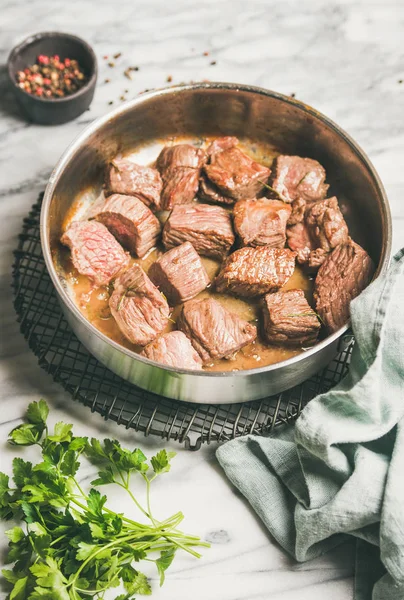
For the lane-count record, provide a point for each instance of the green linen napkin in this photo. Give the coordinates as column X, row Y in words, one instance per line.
column 339, row 471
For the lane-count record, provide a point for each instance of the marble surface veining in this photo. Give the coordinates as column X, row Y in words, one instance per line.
column 344, row 57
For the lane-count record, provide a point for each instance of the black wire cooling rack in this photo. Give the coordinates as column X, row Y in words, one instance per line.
column 61, row 354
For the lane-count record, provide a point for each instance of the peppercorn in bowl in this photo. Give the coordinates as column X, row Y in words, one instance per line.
column 53, row 75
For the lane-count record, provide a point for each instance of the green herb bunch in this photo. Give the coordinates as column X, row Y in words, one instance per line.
column 71, row 545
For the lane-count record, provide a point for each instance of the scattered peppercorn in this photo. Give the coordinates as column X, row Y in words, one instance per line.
column 51, row 77
column 111, row 102
column 107, row 80
column 213, row 62
column 105, row 57
column 293, row 95
column 169, row 78
column 206, row 53
column 122, row 98
column 117, row 55
column 111, row 64
column 400, row 81
column 128, row 71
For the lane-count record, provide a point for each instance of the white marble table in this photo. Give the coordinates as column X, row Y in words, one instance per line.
column 346, row 59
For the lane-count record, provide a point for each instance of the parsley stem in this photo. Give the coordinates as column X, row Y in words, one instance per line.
column 57, row 540
column 115, row 542
column 148, row 499
column 79, row 487
column 140, row 507
column 111, row 512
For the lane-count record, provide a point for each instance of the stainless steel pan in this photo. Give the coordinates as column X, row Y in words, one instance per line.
column 203, row 110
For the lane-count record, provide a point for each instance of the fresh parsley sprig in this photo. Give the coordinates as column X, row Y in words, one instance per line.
column 71, row 546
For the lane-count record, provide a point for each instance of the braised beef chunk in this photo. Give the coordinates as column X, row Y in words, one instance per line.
column 220, row 144
column 128, row 178
column 130, row 221
column 179, row 274
column 323, row 229
column 326, row 224
column 208, row 228
column 252, row 272
column 175, row 350
column 233, row 172
column 299, row 241
column 137, row 306
column 180, row 168
column 210, row 193
column 289, row 320
column 95, row 252
column 343, row 275
column 296, row 177
column 261, row 222
column 298, row 211
column 180, row 156
column 317, row 257
column 214, row 331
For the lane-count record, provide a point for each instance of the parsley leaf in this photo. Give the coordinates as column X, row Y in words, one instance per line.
column 162, row 563
column 25, row 435
column 37, row 413
column 69, row 464
column 62, row 433
column 95, row 502
column 18, row 591
column 161, row 462
column 105, row 476
column 22, row 471
column 134, row 581
column 15, row 534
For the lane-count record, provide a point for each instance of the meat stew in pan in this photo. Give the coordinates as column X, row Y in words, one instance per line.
column 213, row 259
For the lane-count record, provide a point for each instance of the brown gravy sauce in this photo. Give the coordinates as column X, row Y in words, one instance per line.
column 93, row 301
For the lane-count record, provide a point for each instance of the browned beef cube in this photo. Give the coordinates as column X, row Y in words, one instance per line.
column 295, row 177
column 289, row 320
column 317, row 257
column 95, row 252
column 323, row 229
column 299, row 241
column 298, row 211
column 233, row 172
column 220, row 144
column 213, row 330
column 343, row 275
column 180, row 168
column 130, row 221
column 252, row 272
column 326, row 225
column 179, row 274
column 261, row 222
column 137, row 306
column 175, row 350
column 208, row 228
column 210, row 193
column 128, row 178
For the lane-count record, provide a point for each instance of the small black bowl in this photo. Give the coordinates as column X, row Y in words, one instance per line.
column 53, row 111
